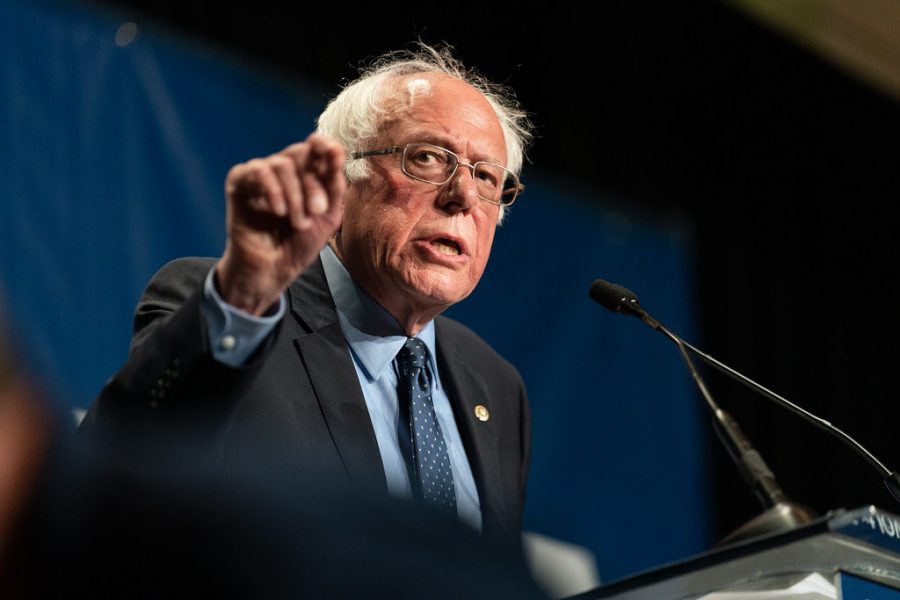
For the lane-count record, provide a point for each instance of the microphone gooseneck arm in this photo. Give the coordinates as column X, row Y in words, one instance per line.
column 891, row 478
column 750, row 463
column 817, row 421
column 623, row 301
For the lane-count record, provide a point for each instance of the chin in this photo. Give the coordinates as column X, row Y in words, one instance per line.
column 438, row 291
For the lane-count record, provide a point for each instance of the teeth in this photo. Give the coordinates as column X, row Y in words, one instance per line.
column 446, row 247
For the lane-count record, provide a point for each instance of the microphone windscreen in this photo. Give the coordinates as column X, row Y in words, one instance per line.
column 611, row 296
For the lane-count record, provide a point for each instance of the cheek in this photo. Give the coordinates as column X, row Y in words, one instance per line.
column 380, row 235
column 485, row 239
column 487, row 226
column 371, row 213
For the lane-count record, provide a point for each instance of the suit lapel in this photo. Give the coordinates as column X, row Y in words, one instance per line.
column 466, row 390
column 324, row 354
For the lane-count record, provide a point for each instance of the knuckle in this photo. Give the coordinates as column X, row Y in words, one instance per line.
column 280, row 162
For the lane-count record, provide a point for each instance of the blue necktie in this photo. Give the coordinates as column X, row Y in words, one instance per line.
column 430, row 459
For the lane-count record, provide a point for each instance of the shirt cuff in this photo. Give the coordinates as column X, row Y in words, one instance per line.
column 234, row 334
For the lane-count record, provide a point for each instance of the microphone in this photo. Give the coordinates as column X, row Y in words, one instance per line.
column 780, row 513
column 621, row 300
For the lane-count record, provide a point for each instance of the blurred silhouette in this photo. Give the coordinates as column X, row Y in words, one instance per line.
column 80, row 517
column 25, row 430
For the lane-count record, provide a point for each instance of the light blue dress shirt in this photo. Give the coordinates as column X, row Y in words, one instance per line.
column 234, row 334
column 374, row 338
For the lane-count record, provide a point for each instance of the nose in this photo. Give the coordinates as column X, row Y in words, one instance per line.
column 461, row 192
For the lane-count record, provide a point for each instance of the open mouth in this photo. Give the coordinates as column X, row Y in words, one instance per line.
column 445, row 246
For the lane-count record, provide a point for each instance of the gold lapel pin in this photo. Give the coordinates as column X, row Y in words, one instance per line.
column 481, row 413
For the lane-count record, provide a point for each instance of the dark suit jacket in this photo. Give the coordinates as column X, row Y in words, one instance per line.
column 299, row 393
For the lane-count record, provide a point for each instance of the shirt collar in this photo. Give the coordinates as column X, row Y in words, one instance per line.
column 373, row 334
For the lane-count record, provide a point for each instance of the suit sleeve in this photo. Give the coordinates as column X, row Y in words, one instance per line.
column 171, row 378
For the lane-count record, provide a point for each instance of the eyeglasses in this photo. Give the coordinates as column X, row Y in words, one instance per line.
column 435, row 165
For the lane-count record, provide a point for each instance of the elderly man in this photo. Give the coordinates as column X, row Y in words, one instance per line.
column 318, row 334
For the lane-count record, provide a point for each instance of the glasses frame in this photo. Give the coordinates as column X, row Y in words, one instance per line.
column 519, row 187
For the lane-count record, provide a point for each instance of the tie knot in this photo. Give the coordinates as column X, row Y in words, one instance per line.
column 414, row 354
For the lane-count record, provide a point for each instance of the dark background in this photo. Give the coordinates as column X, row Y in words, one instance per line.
column 786, row 166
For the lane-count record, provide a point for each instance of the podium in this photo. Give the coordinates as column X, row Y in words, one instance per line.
column 854, row 552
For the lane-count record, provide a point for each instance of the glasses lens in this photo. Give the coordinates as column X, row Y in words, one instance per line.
column 428, row 163
column 495, row 183
column 510, row 192
column 489, row 178
column 437, row 165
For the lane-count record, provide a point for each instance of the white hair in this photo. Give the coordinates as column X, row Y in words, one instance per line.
column 354, row 115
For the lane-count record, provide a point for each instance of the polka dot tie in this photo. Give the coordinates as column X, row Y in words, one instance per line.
column 429, row 450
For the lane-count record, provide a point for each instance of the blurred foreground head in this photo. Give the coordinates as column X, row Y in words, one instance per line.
column 78, row 518
column 101, row 525
column 25, row 432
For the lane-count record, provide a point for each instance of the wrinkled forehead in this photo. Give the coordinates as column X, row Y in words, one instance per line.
column 401, row 94
column 414, row 88
column 437, row 96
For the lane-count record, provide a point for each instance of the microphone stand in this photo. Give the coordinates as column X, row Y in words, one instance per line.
column 780, row 514
column 623, row 301
column 891, row 478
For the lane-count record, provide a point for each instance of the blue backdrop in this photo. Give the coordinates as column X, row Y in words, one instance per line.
column 114, row 156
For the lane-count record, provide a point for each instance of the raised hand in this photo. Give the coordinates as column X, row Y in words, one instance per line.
column 281, row 211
